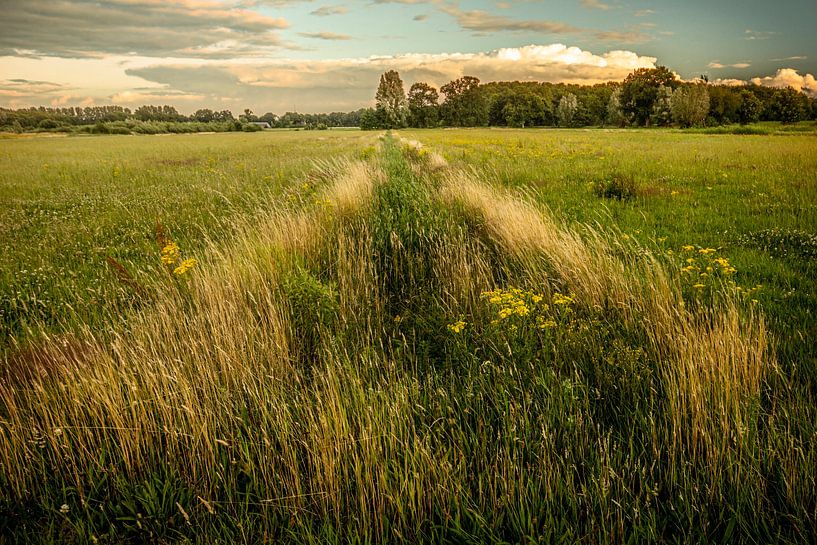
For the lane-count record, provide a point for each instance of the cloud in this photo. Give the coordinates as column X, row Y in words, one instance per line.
column 623, row 36
column 717, row 65
column 344, row 84
column 595, row 4
column 482, row 21
column 325, row 11
column 644, row 12
column 794, row 58
column 158, row 28
column 784, row 77
column 325, row 35
column 789, row 77
column 750, row 34
column 421, row 17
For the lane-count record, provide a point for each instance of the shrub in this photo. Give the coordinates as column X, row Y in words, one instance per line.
column 617, row 186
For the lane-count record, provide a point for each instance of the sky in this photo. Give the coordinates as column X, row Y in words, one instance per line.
column 327, row 55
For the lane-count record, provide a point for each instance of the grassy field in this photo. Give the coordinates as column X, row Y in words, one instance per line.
column 470, row 336
column 69, row 203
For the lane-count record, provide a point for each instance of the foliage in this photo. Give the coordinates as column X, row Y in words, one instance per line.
column 566, row 111
column 391, row 100
column 619, row 186
column 690, row 105
column 640, row 91
column 423, row 106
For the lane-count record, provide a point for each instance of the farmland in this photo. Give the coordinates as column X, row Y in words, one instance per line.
column 425, row 336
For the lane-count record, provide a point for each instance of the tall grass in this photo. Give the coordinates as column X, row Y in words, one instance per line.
column 305, row 386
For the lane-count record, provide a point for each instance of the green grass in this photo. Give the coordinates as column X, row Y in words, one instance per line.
column 68, row 203
column 408, row 349
column 709, row 190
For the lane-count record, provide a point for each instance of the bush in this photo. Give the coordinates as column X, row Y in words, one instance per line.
column 617, row 186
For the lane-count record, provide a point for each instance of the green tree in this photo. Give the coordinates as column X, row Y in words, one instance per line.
column 391, row 100
column 690, row 105
column 615, row 114
column 524, row 109
column 640, row 89
column 423, row 105
column 750, row 108
column 464, row 105
column 566, row 110
column 787, row 105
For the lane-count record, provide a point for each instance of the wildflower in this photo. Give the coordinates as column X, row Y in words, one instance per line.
column 674, row 193
column 690, row 260
column 504, row 313
column 699, row 286
column 687, row 247
column 64, row 509
column 706, row 251
column 170, row 253
column 545, row 324
column 559, row 299
column 184, row 266
column 456, row 327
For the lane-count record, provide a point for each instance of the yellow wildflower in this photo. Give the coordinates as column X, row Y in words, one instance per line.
column 699, row 286
column 688, row 247
column 170, row 253
column 184, row 266
column 456, row 327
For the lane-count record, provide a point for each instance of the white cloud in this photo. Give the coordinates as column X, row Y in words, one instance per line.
column 789, row 77
column 595, row 4
column 718, row 65
column 343, row 84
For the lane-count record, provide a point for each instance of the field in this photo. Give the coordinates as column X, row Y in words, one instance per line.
column 470, row 336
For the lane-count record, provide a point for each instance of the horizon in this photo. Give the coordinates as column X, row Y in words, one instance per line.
column 320, row 57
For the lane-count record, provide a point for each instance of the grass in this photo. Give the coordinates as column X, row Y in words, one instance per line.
column 425, row 344
column 70, row 203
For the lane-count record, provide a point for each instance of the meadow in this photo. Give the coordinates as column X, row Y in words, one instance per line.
column 470, row 336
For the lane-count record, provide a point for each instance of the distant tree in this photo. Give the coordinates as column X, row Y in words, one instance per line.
column 371, row 119
column 661, row 115
column 269, row 117
column 423, row 105
column 640, row 89
column 464, row 105
column 750, row 108
column 615, row 115
column 690, row 105
column 391, row 100
column 724, row 102
column 204, row 115
column 566, row 110
column 524, row 109
column 787, row 105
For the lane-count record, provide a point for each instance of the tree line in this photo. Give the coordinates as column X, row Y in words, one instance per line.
column 647, row 97
column 153, row 119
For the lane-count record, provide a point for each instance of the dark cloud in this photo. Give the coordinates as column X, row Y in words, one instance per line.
column 88, row 28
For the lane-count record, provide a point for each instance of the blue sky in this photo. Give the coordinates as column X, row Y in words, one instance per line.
column 273, row 55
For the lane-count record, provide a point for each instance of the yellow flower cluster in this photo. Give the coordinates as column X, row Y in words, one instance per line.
column 171, row 258
column 170, row 253
column 184, row 266
column 457, row 326
column 524, row 305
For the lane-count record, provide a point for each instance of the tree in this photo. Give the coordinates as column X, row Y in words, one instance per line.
column 615, row 115
column 566, row 110
column 690, row 105
column 423, row 106
column 371, row 119
column 750, row 108
column 661, row 115
column 391, row 99
column 464, row 105
column 787, row 105
column 640, row 91
column 524, row 109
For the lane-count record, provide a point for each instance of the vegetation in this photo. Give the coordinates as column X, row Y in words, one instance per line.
column 460, row 340
column 647, row 97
